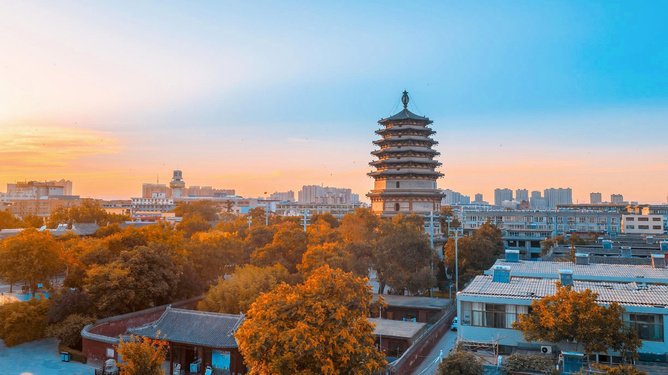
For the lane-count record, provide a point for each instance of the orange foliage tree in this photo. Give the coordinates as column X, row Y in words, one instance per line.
column 318, row 327
column 141, row 356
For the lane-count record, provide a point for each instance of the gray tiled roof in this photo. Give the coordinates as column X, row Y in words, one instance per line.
column 404, row 114
column 591, row 272
column 630, row 294
column 414, row 302
column 397, row 328
column 193, row 327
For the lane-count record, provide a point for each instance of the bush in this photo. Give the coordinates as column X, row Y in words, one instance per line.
column 22, row 322
column 620, row 370
column 66, row 304
column 69, row 330
column 461, row 363
column 524, row 362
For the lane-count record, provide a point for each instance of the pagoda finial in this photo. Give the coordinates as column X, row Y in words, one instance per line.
column 405, row 99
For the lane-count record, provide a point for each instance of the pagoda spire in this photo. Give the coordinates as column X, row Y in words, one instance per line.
column 405, row 99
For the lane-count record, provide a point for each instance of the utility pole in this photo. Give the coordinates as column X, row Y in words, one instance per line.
column 304, row 220
column 431, row 227
column 250, row 220
column 457, row 232
column 266, row 215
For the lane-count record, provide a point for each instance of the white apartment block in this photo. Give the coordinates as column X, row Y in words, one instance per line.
column 643, row 224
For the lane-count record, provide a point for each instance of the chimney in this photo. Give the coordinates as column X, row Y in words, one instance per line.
column 626, row 251
column 566, row 277
column 664, row 245
column 513, row 256
column 581, row 259
column 501, row 274
column 607, row 244
column 650, row 239
column 658, row 261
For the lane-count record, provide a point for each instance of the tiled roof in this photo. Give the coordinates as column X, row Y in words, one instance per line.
column 396, row 328
column 404, row 114
column 414, row 302
column 592, row 271
column 630, row 294
column 193, row 327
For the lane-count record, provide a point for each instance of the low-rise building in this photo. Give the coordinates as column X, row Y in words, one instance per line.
column 642, row 224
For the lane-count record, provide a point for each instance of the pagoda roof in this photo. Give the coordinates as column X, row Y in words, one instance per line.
column 397, row 128
column 405, row 149
column 405, row 114
column 405, row 171
column 406, row 138
column 405, row 160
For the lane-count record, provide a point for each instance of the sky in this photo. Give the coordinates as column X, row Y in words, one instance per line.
column 264, row 96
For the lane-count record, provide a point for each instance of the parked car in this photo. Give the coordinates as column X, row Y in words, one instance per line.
column 454, row 324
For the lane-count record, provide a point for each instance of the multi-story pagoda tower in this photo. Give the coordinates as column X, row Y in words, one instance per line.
column 405, row 176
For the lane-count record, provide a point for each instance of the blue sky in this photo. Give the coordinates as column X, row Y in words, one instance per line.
column 271, row 95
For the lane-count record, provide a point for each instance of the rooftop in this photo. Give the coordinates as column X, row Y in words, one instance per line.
column 414, row 302
column 629, row 294
column 396, row 328
column 590, row 272
column 214, row 330
column 404, row 114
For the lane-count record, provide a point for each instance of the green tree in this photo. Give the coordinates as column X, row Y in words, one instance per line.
column 235, row 294
column 32, row 257
column 359, row 232
column 569, row 315
column 69, row 330
column 319, row 327
column 141, row 356
column 461, row 363
column 533, row 363
column 22, row 322
column 207, row 209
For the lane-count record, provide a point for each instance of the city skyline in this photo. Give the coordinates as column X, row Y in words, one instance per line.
column 112, row 96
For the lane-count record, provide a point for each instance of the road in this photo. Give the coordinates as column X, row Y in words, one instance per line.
column 430, row 364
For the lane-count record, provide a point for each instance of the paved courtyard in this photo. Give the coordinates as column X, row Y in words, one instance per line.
column 38, row 358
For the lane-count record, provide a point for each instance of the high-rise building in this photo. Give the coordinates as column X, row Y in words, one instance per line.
column 453, row 198
column 478, row 198
column 558, row 196
column 147, row 190
column 522, row 195
column 501, row 195
column 324, row 195
column 405, row 176
column 616, row 198
column 595, row 198
column 537, row 201
column 283, row 196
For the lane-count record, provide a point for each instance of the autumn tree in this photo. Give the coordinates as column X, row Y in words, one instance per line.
column 213, row 254
column 32, row 257
column 66, row 303
column 192, row 224
column 88, row 211
column 319, row 327
column 359, row 233
column 22, row 322
column 461, row 363
column 141, row 356
column 403, row 256
column 475, row 253
column 235, row 294
column 574, row 316
column 68, row 331
column 287, row 248
column 620, row 370
column 448, row 213
column 9, row 221
column 32, row 221
column 332, row 254
column 207, row 209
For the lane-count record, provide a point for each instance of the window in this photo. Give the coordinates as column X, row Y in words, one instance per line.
column 396, row 206
column 643, row 226
column 630, row 227
column 398, row 183
column 656, row 227
column 656, row 219
column 648, row 326
column 643, row 219
column 629, row 219
column 490, row 314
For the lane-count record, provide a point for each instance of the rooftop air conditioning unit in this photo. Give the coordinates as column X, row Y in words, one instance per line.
column 545, row 349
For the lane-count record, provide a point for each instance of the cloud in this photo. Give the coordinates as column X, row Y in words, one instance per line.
column 30, row 148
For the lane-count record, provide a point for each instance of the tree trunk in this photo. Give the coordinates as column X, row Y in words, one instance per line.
column 381, row 287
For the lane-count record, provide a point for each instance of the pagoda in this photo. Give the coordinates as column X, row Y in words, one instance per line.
column 405, row 176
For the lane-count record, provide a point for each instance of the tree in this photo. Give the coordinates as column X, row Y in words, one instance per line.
column 22, row 322
column 475, row 253
column 447, row 212
column 9, row 221
column 141, row 356
column 569, row 315
column 319, row 327
column 32, row 221
column 67, row 303
column 403, row 256
column 329, row 253
column 69, row 330
column 461, row 363
column 523, row 362
column 235, row 294
column 208, row 210
column 191, row 224
column 32, row 257
column 88, row 211
column 213, row 254
column 359, row 232
column 620, row 370
column 287, row 248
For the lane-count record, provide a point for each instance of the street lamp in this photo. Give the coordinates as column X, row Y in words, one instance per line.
column 457, row 233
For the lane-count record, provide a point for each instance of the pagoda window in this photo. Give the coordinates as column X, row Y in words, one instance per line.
column 396, row 206
column 398, row 183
